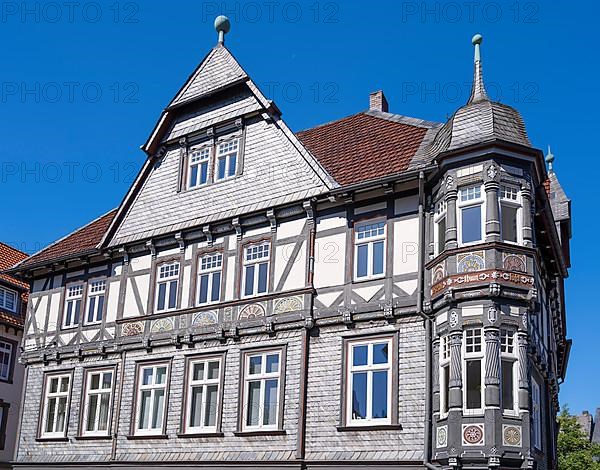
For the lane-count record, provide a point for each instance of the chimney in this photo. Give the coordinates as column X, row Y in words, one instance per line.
column 377, row 102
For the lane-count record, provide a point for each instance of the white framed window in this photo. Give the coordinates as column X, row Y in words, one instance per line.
column 471, row 215
column 56, row 405
column 98, row 402
column 227, row 159
column 369, row 382
column 369, row 250
column 203, row 395
column 6, row 352
column 439, row 222
column 256, row 269
column 8, row 299
column 167, row 281
column 262, row 382
column 95, row 301
column 536, row 414
column 73, row 305
column 151, row 398
column 510, row 214
column 444, row 375
column 198, row 165
column 473, row 371
column 509, row 371
column 209, row 278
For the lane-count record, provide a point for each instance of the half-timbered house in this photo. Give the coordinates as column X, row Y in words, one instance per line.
column 379, row 290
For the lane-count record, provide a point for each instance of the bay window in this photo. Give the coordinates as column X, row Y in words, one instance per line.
column 439, row 220
column 510, row 211
column 55, row 413
column 262, row 381
column 256, row 269
column 508, row 361
column 369, row 250
column 227, row 158
column 444, row 374
column 98, row 402
column 95, row 301
column 8, row 299
column 203, row 395
column 151, row 398
column 166, row 286
column 209, row 278
column 73, row 304
column 199, row 160
column 369, row 382
column 6, row 360
column 473, row 371
column 471, row 215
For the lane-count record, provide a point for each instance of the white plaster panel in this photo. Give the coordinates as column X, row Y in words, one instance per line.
column 409, row 286
column 55, row 307
column 168, row 252
column 256, row 231
column 112, row 301
column 117, row 269
column 472, row 310
column 229, row 286
column 327, row 222
column 140, row 262
column 406, row 245
column 186, row 287
column 367, row 293
column 441, row 318
column 291, row 228
column 297, row 275
column 330, row 260
column 328, row 298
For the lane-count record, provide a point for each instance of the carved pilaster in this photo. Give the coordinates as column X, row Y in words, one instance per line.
column 492, row 366
column 492, row 213
column 451, row 233
column 526, row 203
column 436, row 365
column 523, row 342
column 455, row 382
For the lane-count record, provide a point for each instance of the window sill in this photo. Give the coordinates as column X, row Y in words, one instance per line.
column 200, row 434
column 367, row 279
column 93, row 438
column 147, row 436
column 265, row 432
column 372, row 427
column 52, row 439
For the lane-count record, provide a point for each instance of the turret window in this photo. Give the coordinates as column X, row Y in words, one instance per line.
column 369, row 250
column 444, row 374
column 473, row 371
column 440, row 227
column 508, row 371
column 510, row 209
column 470, row 214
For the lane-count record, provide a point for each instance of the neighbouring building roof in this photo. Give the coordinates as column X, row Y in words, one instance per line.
column 10, row 256
column 80, row 242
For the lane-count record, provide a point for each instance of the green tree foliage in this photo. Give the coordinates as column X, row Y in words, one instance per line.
column 575, row 451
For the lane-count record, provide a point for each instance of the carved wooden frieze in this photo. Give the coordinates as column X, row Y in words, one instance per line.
column 491, row 275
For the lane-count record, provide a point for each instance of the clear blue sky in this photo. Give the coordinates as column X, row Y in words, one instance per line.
column 82, row 86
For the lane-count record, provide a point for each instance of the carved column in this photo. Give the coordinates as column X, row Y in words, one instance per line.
column 435, row 364
column 526, row 203
column 523, row 372
column 451, row 233
column 431, row 228
column 492, row 366
column 455, row 383
column 492, row 212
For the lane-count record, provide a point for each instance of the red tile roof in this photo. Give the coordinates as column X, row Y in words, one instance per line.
column 10, row 256
column 80, row 242
column 363, row 147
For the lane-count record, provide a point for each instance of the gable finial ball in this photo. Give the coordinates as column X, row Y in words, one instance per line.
column 477, row 39
column 222, row 23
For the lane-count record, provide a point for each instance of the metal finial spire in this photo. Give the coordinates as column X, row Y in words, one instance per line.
column 550, row 160
column 478, row 92
column 223, row 26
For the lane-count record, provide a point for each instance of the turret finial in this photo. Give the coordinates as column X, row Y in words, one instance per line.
column 550, row 160
column 478, row 92
column 223, row 26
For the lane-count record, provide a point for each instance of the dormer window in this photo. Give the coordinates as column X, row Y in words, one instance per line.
column 470, row 215
column 198, row 167
column 227, row 158
column 8, row 299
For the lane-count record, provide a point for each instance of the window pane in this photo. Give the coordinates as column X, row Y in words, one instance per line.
column 232, row 163
column 54, row 385
column 210, row 416
column 157, row 411
column 144, row 410
column 378, row 257
column 172, row 294
column 471, row 224
column 509, row 223
column 262, row 277
column 380, row 353
column 203, row 173
column 253, row 403
column 95, row 382
column 359, row 395
column 100, row 308
column 196, row 407
column 360, row 354
column 198, row 371
column 270, row 405
column 507, row 385
column 213, row 370
column 60, row 414
column 107, row 380
column 473, row 384
column 64, row 384
column 216, row 287
column 249, row 287
column 361, row 260
column 446, row 383
column 161, row 375
column 50, row 415
column 69, row 313
column 193, row 175
column 162, row 289
column 272, row 363
column 380, row 392
column 91, row 309
column 147, row 375
column 203, row 289
column 77, row 312
column 104, row 410
column 255, row 364
column 92, row 412
column 221, row 169
column 441, row 235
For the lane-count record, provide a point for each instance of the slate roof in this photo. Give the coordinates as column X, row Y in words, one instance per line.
column 366, row 146
column 81, row 242
column 559, row 201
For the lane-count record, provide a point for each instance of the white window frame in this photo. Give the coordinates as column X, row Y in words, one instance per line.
column 153, row 388
column 167, row 279
column 473, row 355
column 370, row 240
column 96, row 289
column 369, row 368
column 224, row 151
column 204, row 383
column 73, row 293
column 444, row 361
column 256, row 263
column 441, row 212
column 58, row 395
column 4, row 293
column 536, row 414
column 7, row 350
column 514, row 202
column 262, row 377
column 509, row 352
column 198, row 156
column 99, row 392
column 213, row 264
column 467, row 203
